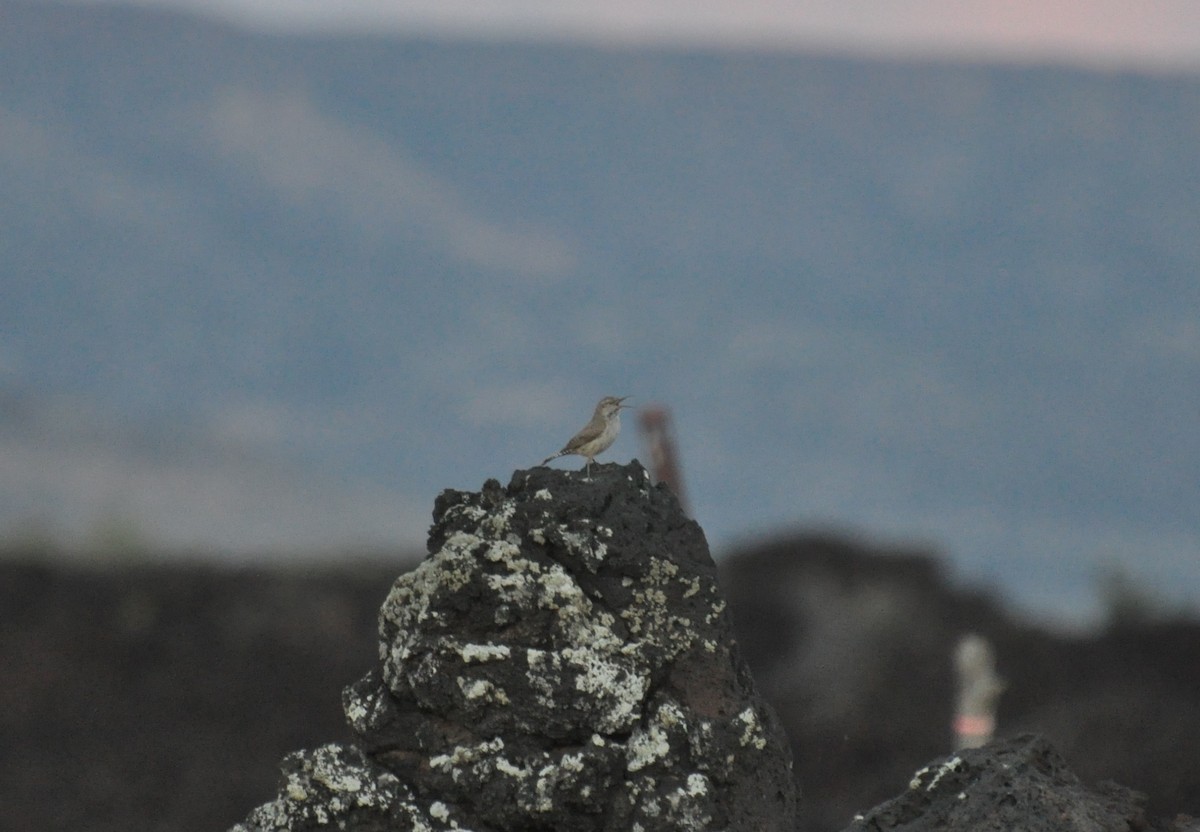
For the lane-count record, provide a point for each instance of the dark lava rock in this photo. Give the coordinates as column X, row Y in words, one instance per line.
column 561, row 660
column 1021, row 783
column 853, row 643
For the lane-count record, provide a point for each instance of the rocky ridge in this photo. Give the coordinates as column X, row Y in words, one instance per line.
column 1018, row 783
column 562, row 659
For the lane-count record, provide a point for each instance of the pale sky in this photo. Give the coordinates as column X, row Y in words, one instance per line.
column 1137, row 33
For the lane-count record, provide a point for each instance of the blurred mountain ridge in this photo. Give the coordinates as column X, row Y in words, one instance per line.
column 934, row 300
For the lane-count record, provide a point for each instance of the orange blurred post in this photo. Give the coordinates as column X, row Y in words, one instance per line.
column 655, row 424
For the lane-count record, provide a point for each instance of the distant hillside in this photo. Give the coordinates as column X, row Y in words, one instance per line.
column 944, row 302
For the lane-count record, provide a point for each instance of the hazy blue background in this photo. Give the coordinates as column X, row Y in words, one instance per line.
column 272, row 292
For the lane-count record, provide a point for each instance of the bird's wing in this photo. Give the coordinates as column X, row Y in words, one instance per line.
column 589, row 433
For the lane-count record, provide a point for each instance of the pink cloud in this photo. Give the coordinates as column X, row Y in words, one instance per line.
column 1148, row 33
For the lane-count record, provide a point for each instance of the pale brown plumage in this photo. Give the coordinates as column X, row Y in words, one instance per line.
column 597, row 435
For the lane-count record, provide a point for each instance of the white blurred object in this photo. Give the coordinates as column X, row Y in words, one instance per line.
column 979, row 690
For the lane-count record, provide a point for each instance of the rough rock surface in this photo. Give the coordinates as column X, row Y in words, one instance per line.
column 852, row 641
column 1020, row 783
column 561, row 660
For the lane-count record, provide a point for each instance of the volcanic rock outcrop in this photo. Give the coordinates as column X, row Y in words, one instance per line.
column 561, row 660
column 1021, row 783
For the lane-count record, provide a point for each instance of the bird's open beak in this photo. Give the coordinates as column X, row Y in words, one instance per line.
column 623, row 406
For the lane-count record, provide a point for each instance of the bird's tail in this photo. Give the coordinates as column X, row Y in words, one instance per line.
column 554, row 456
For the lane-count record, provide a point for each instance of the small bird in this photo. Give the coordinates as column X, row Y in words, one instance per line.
column 597, row 434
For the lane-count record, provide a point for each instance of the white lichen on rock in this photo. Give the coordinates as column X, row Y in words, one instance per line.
column 718, row 607
column 484, row 652
column 505, row 767
column 949, row 766
column 646, row 746
column 585, row 546
column 366, row 710
column 559, row 590
column 650, row 740
column 686, row 804
column 497, row 521
column 465, row 754
column 329, row 783
column 409, row 602
column 475, row 689
column 752, row 733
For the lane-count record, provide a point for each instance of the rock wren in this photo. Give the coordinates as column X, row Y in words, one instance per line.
column 597, row 434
